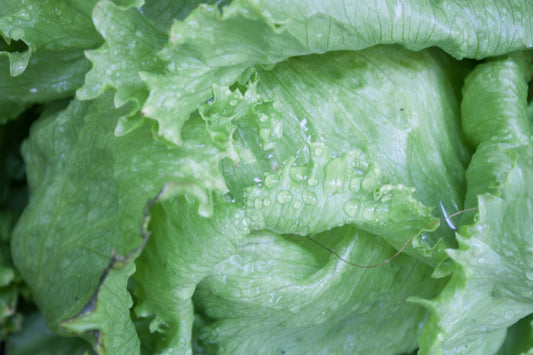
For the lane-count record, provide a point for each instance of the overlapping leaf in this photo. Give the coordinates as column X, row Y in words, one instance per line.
column 314, row 169
column 210, row 46
column 41, row 51
column 491, row 287
column 88, row 202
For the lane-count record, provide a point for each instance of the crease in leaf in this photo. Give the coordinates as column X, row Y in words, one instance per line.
column 94, row 316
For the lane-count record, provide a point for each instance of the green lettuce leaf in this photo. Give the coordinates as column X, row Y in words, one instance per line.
column 491, row 286
column 36, row 338
column 49, row 76
column 210, row 46
column 131, row 41
column 119, row 176
column 248, row 269
column 132, row 36
column 300, row 140
column 41, row 51
column 68, row 26
column 519, row 338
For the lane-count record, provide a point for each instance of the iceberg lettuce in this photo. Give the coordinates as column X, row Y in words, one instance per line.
column 203, row 176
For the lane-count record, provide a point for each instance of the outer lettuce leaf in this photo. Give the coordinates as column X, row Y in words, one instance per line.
column 131, row 41
column 314, row 170
column 50, row 75
column 132, row 36
column 68, row 26
column 41, row 51
column 519, row 339
column 13, row 199
column 491, row 287
column 351, row 148
column 36, row 338
column 63, row 243
column 213, row 47
column 107, row 314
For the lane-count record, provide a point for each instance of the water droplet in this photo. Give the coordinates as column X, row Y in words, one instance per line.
column 264, row 133
column 298, row 174
column 351, row 208
column 170, row 102
column 233, row 102
column 529, row 274
column 508, row 315
column 368, row 213
column 193, row 24
column 258, row 203
column 320, row 151
column 297, row 204
column 278, row 130
column 303, row 125
column 229, row 198
column 25, row 16
column 284, row 197
column 355, row 184
column 33, row 90
column 17, row 33
column 270, row 181
column 313, row 181
column 368, row 183
column 309, row 197
column 267, row 202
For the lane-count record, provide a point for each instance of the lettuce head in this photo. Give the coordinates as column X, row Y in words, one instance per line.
column 210, row 176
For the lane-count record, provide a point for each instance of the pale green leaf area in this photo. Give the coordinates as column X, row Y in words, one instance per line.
column 211, row 46
column 131, row 41
column 133, row 37
column 258, row 281
column 209, row 177
column 492, row 286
